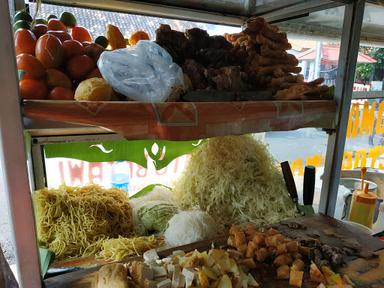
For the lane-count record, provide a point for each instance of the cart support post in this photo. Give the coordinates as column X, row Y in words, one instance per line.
column 350, row 39
column 14, row 176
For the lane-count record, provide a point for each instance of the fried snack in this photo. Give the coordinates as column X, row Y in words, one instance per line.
column 112, row 275
column 267, row 52
column 292, row 79
column 316, row 82
column 254, row 25
column 173, row 41
column 281, row 248
column 289, row 60
column 298, row 265
column 261, row 254
column 115, row 37
column 274, row 35
column 283, row 259
column 241, row 40
column 250, row 249
column 293, row 93
column 277, row 70
column 137, row 36
column 262, row 40
column 283, row 272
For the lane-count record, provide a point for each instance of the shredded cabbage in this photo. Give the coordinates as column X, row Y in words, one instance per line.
column 155, row 215
column 159, row 194
column 235, row 179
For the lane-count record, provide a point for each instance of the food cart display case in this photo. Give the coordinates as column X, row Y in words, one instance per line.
column 62, row 122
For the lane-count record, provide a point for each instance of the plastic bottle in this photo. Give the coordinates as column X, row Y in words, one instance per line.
column 363, row 207
column 120, row 175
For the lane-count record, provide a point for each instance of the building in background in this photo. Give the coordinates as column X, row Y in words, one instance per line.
column 327, row 58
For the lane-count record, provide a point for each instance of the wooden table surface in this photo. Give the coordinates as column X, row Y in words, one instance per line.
column 364, row 272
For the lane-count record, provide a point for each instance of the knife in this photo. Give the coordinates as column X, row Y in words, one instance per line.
column 289, row 181
column 308, row 190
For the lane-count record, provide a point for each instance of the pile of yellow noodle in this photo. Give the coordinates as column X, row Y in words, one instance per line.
column 75, row 221
column 120, row 248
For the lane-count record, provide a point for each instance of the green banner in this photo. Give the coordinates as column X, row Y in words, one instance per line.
column 162, row 152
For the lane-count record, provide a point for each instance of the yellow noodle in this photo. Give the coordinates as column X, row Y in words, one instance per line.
column 119, row 248
column 74, row 221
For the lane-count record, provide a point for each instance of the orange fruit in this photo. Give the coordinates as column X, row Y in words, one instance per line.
column 49, row 51
column 79, row 66
column 32, row 89
column 25, row 41
column 115, row 37
column 57, row 78
column 39, row 30
column 72, row 48
column 81, row 34
column 62, row 35
column 55, row 24
column 137, row 36
column 31, row 66
column 61, row 93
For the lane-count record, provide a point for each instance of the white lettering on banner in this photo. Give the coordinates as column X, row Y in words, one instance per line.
column 77, row 172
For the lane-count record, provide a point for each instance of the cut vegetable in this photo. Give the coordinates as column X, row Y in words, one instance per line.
column 235, row 180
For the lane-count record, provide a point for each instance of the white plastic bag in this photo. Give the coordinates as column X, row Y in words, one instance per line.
column 144, row 72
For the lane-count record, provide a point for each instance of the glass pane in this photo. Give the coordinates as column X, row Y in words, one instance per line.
column 364, row 145
column 96, row 21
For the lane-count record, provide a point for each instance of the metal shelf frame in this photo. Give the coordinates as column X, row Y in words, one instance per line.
column 15, row 160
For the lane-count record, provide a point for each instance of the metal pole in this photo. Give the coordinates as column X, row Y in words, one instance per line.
column 14, row 176
column 350, row 39
column 318, row 60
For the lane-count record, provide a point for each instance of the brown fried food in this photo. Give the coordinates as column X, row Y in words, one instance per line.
column 112, row 275
column 274, row 36
column 283, row 259
column 254, row 25
column 173, row 41
column 267, row 52
column 277, row 70
column 289, row 60
column 291, row 79
column 316, row 82
column 196, row 74
column 227, row 78
column 283, row 272
column 262, row 40
column 292, row 93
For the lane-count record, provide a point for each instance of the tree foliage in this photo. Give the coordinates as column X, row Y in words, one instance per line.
column 371, row 72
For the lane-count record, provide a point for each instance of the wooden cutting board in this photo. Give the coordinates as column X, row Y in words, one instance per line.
column 330, row 231
column 367, row 273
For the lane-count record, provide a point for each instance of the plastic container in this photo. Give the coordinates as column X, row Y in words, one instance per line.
column 120, row 175
column 354, row 184
column 363, row 207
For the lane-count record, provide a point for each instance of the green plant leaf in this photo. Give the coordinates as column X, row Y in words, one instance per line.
column 46, row 259
column 147, row 189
